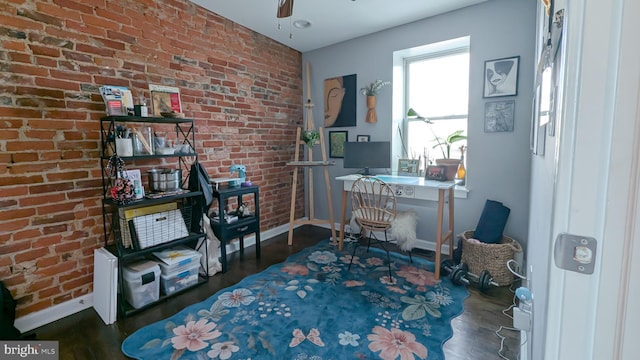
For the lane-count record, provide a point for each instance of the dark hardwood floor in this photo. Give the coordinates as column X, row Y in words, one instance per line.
column 84, row 336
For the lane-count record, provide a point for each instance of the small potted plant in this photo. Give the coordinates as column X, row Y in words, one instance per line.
column 370, row 91
column 444, row 144
column 310, row 137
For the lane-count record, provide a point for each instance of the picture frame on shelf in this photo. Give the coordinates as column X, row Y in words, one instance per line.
column 408, row 167
column 336, row 143
column 436, row 172
column 363, row 138
column 136, row 177
column 501, row 77
column 165, row 99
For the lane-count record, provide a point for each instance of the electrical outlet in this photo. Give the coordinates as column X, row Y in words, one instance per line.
column 521, row 319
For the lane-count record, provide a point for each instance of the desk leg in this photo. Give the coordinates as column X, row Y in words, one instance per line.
column 343, row 210
column 439, row 239
column 450, row 234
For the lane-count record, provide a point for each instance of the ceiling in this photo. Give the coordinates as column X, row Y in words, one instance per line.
column 332, row 21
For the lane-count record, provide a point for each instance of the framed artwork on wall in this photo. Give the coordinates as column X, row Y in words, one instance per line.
column 336, row 143
column 340, row 101
column 501, row 77
column 499, row 115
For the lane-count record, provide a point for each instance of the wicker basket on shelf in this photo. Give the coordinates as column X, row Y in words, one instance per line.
column 490, row 257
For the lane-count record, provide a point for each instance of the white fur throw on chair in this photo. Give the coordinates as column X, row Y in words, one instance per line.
column 403, row 229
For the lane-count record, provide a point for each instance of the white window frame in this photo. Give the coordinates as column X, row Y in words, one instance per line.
column 401, row 87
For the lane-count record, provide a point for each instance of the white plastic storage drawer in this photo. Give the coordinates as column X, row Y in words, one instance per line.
column 177, row 259
column 141, row 283
column 181, row 278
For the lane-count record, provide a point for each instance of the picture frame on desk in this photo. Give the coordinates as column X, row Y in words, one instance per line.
column 436, row 172
column 408, row 167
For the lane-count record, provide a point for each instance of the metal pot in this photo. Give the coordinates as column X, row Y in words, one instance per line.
column 161, row 180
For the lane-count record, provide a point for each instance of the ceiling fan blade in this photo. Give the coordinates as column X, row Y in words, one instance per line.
column 285, row 8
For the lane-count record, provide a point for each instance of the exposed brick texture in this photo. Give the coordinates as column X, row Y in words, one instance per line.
column 243, row 90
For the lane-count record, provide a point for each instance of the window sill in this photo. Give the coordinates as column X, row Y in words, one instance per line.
column 460, row 191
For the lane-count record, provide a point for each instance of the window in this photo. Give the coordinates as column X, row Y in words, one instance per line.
column 436, row 87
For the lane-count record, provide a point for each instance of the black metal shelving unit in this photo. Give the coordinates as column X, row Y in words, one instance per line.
column 186, row 201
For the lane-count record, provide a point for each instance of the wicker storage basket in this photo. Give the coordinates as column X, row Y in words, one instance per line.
column 490, row 257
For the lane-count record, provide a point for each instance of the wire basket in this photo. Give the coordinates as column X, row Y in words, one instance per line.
column 490, row 257
column 160, row 227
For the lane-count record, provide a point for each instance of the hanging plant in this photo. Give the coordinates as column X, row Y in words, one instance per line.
column 371, row 91
column 310, row 137
column 374, row 88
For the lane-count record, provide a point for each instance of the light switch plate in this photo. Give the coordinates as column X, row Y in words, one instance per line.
column 576, row 253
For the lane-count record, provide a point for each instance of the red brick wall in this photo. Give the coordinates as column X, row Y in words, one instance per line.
column 243, row 89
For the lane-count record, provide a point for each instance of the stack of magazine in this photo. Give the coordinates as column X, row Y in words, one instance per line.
column 118, row 100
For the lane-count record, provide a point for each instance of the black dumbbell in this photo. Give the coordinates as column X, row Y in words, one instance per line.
column 448, row 266
column 457, row 273
column 460, row 275
column 484, row 281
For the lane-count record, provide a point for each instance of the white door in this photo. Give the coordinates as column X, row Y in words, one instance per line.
column 596, row 190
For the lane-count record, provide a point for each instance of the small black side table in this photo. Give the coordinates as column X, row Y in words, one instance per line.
column 227, row 231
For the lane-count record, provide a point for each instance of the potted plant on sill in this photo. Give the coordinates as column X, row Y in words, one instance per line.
column 370, row 91
column 444, row 143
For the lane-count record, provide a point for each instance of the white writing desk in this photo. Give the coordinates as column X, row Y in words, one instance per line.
column 411, row 188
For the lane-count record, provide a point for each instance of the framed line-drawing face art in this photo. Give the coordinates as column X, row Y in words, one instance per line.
column 336, row 143
column 340, row 101
column 501, row 77
column 499, row 115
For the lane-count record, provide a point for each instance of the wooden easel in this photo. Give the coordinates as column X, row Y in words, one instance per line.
column 297, row 163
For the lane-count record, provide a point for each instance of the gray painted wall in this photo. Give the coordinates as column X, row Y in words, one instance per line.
column 498, row 164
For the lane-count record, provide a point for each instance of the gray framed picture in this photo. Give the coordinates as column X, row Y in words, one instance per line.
column 498, row 116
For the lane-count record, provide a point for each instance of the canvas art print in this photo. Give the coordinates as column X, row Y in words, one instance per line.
column 340, row 101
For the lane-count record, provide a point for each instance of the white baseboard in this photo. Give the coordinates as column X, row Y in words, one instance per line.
column 56, row 312
column 420, row 243
column 251, row 240
column 62, row 310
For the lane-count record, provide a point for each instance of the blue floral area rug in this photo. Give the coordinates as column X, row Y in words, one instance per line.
column 313, row 307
